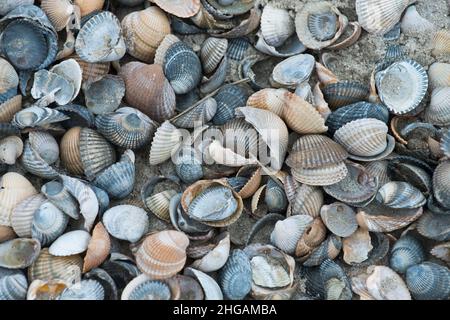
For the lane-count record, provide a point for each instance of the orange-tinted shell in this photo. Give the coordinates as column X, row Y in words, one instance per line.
column 88, row 6
column 70, row 151
column 269, row 99
column 98, row 248
column 6, row 233
column 92, row 71
column 9, row 108
column 179, row 8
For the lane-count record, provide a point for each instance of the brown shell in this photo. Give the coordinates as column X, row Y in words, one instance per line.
column 148, row 90
column 6, row 233
column 70, row 151
column 89, row 6
column 162, row 254
column 92, row 72
column 9, row 108
column 98, row 248
column 321, row 176
column 252, row 184
column 269, row 99
column 308, row 200
column 180, row 8
column 312, row 238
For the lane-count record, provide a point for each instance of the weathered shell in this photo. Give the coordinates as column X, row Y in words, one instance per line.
column 60, row 197
column 228, row 99
column 6, row 233
column 339, row 218
column 269, row 99
column 162, row 254
column 165, row 143
column 33, row 163
column 209, row 285
column 13, row 285
column 428, row 281
column 335, row 282
column 413, row 24
column 23, row 212
column 442, row 251
column 45, row 290
column 19, row 253
column 89, row 6
column 311, row 238
column 59, row 12
column 10, row 149
column 156, row 200
column 343, row 93
column 441, row 184
column 14, row 189
column 321, row 176
column 357, row 246
column 400, row 195
column 9, row 81
column 276, row 25
column 288, row 232
column 143, row 32
column 182, row 67
column 235, row 278
column 188, row 165
column 9, row 108
column 37, row 117
column 92, row 72
column 434, row 226
column 126, row 222
column 440, row 43
column 254, row 180
column 182, row 9
column 148, row 90
column 406, row 252
column 48, row 223
column 437, row 111
column 144, row 288
column 439, row 75
column 105, row 94
column 293, row 71
column 9, row 5
column 100, row 39
column 70, row 243
column 379, row 169
column 380, row 16
column 410, row 81
column 79, row 115
column 217, row 257
column 84, row 290
column 328, row 249
column 110, row 287
column 308, row 200
column 377, row 285
column 98, row 248
column 212, row 52
column 198, row 116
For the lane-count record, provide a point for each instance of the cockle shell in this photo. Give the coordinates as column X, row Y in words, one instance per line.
column 414, row 24
column 293, row 71
column 228, row 99
column 217, row 257
column 105, row 94
column 440, row 42
column 162, row 48
column 182, row 9
column 37, row 117
column 98, row 248
column 276, row 25
column 162, row 254
column 92, row 72
column 442, row 251
column 428, row 281
column 288, row 232
column 400, row 195
column 8, row 5
column 434, row 226
column 235, row 277
column 308, row 200
column 70, row 243
column 143, row 32
column 89, row 6
column 379, row 169
column 48, row 223
column 321, row 176
column 10, row 149
column 157, row 200
column 45, row 290
column 144, row 288
column 23, row 212
column 269, row 99
column 165, row 143
column 19, row 253
column 328, row 249
column 9, row 108
column 209, row 285
column 339, row 218
column 126, row 222
column 357, row 246
column 84, row 290
column 198, row 116
column 384, row 284
column 110, row 287
column 14, row 189
column 13, row 285
column 436, row 113
column 60, row 197
column 406, row 252
column 212, row 52
column 33, row 163
column 342, row 93
column 439, row 75
column 441, row 184
column 59, row 12
column 9, row 81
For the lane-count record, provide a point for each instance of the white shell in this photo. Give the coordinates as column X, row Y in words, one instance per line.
column 216, row 258
column 126, row 222
column 276, row 25
column 165, row 143
column 413, row 24
column 385, row 284
column 288, row 232
column 210, row 287
column 70, row 243
column 439, row 74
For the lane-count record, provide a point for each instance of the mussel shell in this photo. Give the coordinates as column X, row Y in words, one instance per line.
column 235, row 277
column 406, row 252
column 428, row 281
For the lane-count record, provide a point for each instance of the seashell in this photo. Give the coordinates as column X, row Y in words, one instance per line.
column 252, row 184
column 336, row 283
column 10, row 149
column 182, row 9
column 100, row 39
column 48, row 223
column 276, row 25
column 80, row 116
column 122, row 272
column 321, row 176
column 268, row 99
column 441, row 184
column 9, row 5
column 428, row 281
column 442, row 251
column 144, row 288
column 376, row 285
column 301, row 116
column 148, row 90
column 162, row 254
column 89, row 6
column 343, row 93
column 118, row 179
column 413, row 24
column 23, row 212
column 160, row 54
column 284, row 74
column 92, row 72
column 308, row 200
column 9, row 108
column 55, row 192
column 434, row 226
column 126, row 222
column 98, row 248
column 410, row 81
column 439, row 42
column 84, row 290
column 19, row 253
column 292, row 46
column 400, row 195
column 217, row 257
column 105, row 94
column 380, row 16
column 357, row 247
column 165, row 143
column 156, row 200
column 319, row 25
column 258, row 207
column 217, row 78
column 182, row 68
column 45, row 290
column 311, row 238
column 84, row 150
column 378, row 218
column 356, row 111
column 339, row 218
column 228, row 99
column 198, row 116
column 288, row 232
column 106, row 281
column 144, row 31
column 190, row 288
column 436, row 113
column 357, row 188
column 45, row 145
column 379, row 169
column 70, row 243
column 33, row 163
column 235, row 277
column 58, row 12
column 365, row 139
column 328, row 249
column 37, row 117
column 209, row 285
column 9, row 81
column 275, row 197
column 14, row 189
column 188, row 166
column 180, row 26
column 6, row 233
column 13, row 285
column 264, row 122
column 212, row 52
column 439, row 75
column 102, row 198
column 212, row 203
column 406, row 252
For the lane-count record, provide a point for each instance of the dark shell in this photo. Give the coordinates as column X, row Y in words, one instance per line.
column 228, row 99
column 380, row 244
column 428, row 281
column 237, row 183
column 328, row 249
column 434, row 226
column 359, row 110
column 344, row 93
column 441, row 184
column 415, row 175
column 104, row 95
column 188, row 167
column 105, row 280
column 122, row 272
column 333, row 278
column 275, row 197
column 79, row 116
column 182, row 27
column 406, row 252
column 235, row 277
column 237, row 48
column 323, row 26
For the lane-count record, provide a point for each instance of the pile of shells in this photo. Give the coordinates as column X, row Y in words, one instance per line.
column 340, row 185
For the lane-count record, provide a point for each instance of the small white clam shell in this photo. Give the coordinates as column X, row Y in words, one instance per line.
column 70, row 243
column 216, row 258
column 276, row 25
column 126, row 222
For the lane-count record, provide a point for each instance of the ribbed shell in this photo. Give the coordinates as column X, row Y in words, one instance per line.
column 13, row 285
column 434, row 226
column 126, row 222
column 37, row 117
column 440, row 42
column 344, row 93
column 143, row 32
column 165, row 143
column 60, row 197
column 442, row 251
column 9, row 79
column 288, row 232
column 22, row 215
column 164, row 45
column 188, row 167
column 98, row 248
column 228, row 99
column 308, row 200
column 180, row 8
column 380, row 16
column 34, row 164
column 428, row 281
column 148, row 90
column 379, row 169
column 437, row 112
column 92, row 71
column 10, row 149
column 269, row 99
column 321, row 176
column 162, row 254
column 441, row 184
column 276, row 25
column 400, row 195
column 58, row 12
column 406, row 252
column 439, row 75
column 9, row 108
column 328, row 249
column 9, row 5
column 89, row 6
column 84, row 290
column 198, row 116
column 212, row 52
column 235, row 277
column 45, row 145
column 143, row 288
column 293, row 71
column 48, row 223
column 339, row 218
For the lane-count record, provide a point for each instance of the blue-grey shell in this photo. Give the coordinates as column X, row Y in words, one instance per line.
column 48, row 223
column 235, row 277
column 102, row 197
column 37, row 117
column 8, row 129
column 344, row 93
column 323, row 26
column 320, row 254
column 188, row 167
column 107, row 282
column 275, row 197
column 329, row 270
column 184, row 101
column 445, row 142
column 8, row 94
column 83, row 290
column 79, row 116
column 237, row 48
column 122, row 272
column 380, row 244
column 105, row 95
column 151, row 290
column 393, row 34
column 428, row 281
column 415, row 175
column 237, row 183
column 182, row 27
column 33, row 163
column 55, row 192
column 13, row 285
column 358, row 110
column 406, row 252
column 216, row 203
column 434, row 226
column 228, row 99
column 182, row 67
